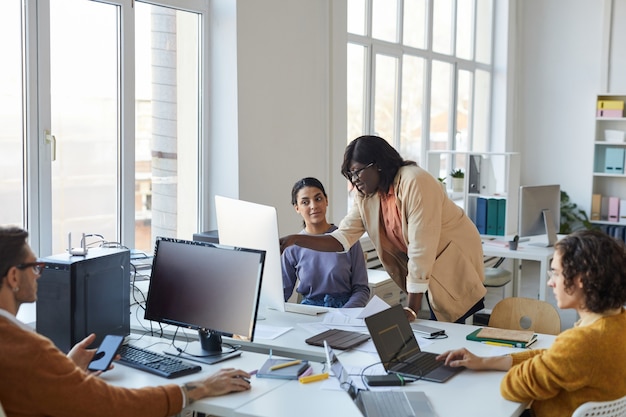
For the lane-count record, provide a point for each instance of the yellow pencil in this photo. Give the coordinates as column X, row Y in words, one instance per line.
column 284, row 365
column 313, row 378
column 498, row 344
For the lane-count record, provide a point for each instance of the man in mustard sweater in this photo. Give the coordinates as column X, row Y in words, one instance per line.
column 587, row 362
column 37, row 379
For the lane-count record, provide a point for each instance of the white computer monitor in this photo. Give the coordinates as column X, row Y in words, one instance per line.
column 251, row 225
column 540, row 212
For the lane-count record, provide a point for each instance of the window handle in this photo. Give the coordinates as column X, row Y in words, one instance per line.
column 51, row 140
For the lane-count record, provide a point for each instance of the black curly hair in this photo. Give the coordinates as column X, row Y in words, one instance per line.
column 600, row 261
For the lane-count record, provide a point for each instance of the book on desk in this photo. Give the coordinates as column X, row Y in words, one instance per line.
column 282, row 368
column 503, row 337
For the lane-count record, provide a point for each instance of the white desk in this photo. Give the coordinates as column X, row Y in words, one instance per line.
column 524, row 252
column 220, row 406
column 469, row 393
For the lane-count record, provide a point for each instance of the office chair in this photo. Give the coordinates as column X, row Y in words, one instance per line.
column 615, row 408
column 496, row 277
column 519, row 313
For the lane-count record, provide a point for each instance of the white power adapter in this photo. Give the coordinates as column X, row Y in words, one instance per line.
column 81, row 251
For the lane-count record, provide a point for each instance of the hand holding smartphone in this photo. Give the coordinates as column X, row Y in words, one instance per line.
column 105, row 353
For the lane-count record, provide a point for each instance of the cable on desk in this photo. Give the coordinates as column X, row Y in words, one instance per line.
column 362, row 374
column 233, row 348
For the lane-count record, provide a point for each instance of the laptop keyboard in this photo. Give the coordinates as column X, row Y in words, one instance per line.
column 386, row 404
column 419, row 365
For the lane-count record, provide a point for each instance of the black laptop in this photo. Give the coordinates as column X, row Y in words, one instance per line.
column 399, row 351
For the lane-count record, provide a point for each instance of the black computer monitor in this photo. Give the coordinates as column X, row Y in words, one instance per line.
column 211, row 288
column 540, row 212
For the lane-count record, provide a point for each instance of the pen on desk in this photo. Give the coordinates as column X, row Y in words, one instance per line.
column 313, row 378
column 284, row 365
column 498, row 344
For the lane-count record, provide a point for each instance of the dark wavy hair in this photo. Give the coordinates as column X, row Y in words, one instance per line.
column 600, row 261
column 305, row 182
column 13, row 247
column 374, row 149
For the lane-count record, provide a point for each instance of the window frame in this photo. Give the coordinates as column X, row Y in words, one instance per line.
column 37, row 116
column 398, row 49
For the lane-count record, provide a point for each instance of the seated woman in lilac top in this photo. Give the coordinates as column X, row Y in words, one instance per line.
column 330, row 279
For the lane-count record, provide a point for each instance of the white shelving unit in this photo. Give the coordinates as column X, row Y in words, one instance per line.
column 498, row 178
column 606, row 183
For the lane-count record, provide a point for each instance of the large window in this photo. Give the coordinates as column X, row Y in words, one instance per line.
column 419, row 73
column 12, row 181
column 101, row 112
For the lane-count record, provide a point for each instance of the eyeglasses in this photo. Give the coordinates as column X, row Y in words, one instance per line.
column 37, row 266
column 552, row 273
column 355, row 175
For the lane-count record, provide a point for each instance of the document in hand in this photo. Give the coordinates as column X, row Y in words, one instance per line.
column 282, row 368
column 513, row 338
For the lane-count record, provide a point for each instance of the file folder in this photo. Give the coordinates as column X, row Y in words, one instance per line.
column 481, row 215
column 492, row 216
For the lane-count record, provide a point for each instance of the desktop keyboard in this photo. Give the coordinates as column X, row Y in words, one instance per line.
column 155, row 363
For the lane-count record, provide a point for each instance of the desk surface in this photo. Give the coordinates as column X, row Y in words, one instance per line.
column 526, row 251
column 469, row 393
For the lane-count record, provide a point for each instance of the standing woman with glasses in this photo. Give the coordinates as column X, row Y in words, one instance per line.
column 327, row 279
column 425, row 242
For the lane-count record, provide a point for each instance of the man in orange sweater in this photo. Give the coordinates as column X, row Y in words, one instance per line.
column 37, row 379
column 587, row 362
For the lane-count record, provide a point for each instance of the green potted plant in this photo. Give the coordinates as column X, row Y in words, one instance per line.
column 572, row 217
column 457, row 176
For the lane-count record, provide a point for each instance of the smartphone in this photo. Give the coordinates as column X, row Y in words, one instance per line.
column 427, row 332
column 105, row 353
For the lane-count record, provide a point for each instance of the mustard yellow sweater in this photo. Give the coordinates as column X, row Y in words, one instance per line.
column 586, row 363
column 37, row 379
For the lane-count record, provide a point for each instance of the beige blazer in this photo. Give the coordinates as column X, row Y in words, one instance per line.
column 444, row 249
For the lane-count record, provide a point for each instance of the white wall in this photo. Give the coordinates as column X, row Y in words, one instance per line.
column 286, row 120
column 560, row 71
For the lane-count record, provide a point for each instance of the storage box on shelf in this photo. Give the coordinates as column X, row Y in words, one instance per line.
column 608, row 200
column 491, row 189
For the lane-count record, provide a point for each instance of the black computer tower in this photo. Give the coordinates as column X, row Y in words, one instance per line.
column 79, row 295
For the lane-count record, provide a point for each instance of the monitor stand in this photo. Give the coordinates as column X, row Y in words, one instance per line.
column 550, row 231
column 208, row 350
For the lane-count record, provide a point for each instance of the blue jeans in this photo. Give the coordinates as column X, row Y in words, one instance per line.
column 328, row 300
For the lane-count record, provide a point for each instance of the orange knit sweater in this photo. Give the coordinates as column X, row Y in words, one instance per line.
column 586, row 363
column 37, row 379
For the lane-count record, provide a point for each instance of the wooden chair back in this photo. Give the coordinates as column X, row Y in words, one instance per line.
column 519, row 313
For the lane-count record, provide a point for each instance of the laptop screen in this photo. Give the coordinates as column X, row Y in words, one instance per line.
column 392, row 335
column 338, row 370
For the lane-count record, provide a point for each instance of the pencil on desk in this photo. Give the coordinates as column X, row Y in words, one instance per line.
column 498, row 344
column 285, row 365
column 313, row 378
